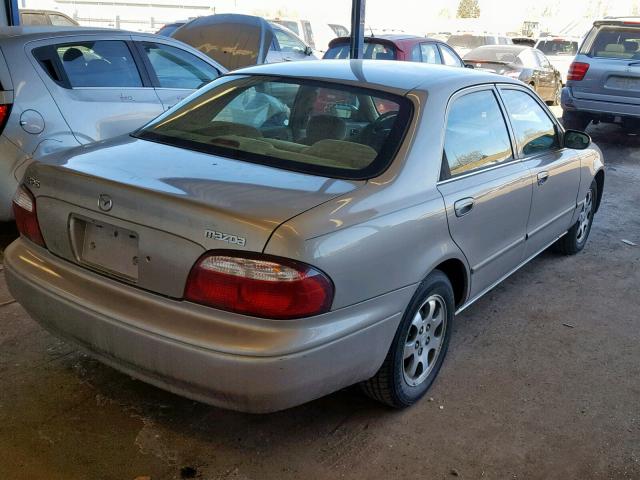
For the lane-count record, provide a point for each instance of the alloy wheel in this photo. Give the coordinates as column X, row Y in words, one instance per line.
column 423, row 344
column 584, row 220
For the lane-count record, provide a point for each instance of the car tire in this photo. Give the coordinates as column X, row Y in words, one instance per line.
column 576, row 237
column 419, row 346
column 575, row 121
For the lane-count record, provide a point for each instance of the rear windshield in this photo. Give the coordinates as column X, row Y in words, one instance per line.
column 313, row 127
column 372, row 51
column 495, row 55
column 469, row 41
column 558, row 47
column 614, row 42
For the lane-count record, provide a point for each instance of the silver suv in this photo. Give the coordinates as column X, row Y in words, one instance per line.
column 603, row 84
column 65, row 87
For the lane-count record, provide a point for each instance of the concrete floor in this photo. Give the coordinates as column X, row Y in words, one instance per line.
column 542, row 381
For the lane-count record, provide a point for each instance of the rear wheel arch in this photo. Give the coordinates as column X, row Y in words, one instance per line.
column 457, row 273
column 599, row 178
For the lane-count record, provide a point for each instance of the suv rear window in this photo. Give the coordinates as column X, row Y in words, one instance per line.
column 309, row 126
column 614, row 42
column 372, row 51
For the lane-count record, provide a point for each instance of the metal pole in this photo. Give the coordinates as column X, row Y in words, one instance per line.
column 357, row 28
column 13, row 13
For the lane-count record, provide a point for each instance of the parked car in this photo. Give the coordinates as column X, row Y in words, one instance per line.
column 398, row 47
column 248, row 250
column 169, row 28
column 463, row 43
column 526, row 41
column 603, row 84
column 45, row 18
column 560, row 51
column 527, row 64
column 315, row 34
column 60, row 88
column 237, row 41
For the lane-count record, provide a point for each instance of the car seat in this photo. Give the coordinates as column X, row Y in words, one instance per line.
column 325, row 127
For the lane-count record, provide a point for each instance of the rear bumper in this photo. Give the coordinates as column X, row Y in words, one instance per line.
column 597, row 108
column 223, row 359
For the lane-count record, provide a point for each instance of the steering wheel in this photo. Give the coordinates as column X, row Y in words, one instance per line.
column 377, row 131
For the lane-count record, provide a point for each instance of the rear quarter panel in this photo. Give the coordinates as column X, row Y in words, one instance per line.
column 388, row 234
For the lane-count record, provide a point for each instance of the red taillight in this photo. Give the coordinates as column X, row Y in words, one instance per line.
column 259, row 285
column 5, row 110
column 24, row 209
column 577, row 71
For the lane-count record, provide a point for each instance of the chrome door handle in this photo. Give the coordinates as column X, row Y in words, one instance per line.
column 463, row 206
column 543, row 177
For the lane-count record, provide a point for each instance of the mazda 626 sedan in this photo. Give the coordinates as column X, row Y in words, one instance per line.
column 293, row 229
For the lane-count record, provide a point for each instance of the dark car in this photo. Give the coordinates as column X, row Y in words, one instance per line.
column 526, row 64
column 168, row 29
column 398, row 47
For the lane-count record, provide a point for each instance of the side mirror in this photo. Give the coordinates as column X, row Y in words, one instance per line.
column 469, row 65
column 308, row 51
column 576, row 140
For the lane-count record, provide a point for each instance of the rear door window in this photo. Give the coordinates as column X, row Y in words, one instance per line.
column 175, row 68
column 103, row 63
column 535, row 132
column 476, row 135
column 292, row 124
column 449, row 58
column 429, row 53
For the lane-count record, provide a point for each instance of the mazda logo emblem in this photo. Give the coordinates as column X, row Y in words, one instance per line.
column 105, row 203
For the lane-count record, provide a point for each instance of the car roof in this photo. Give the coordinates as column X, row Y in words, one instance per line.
column 386, row 75
column 631, row 21
column 37, row 32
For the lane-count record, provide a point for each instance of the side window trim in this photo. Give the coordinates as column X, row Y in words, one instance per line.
column 466, row 91
column 556, row 123
column 146, row 73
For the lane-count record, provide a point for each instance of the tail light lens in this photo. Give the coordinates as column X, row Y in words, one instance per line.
column 259, row 285
column 24, row 209
column 5, row 110
column 577, row 71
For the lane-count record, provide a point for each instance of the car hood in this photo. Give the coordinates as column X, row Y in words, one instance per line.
column 234, row 41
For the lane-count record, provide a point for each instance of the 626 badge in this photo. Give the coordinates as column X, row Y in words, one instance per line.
column 225, row 237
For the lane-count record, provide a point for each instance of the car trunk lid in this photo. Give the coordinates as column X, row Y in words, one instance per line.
column 143, row 212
